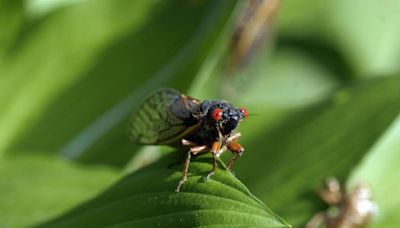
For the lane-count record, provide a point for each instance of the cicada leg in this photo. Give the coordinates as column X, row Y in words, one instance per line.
column 317, row 220
column 234, row 137
column 193, row 150
column 215, row 148
column 237, row 150
column 184, row 144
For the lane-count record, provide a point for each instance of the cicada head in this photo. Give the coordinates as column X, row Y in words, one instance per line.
column 223, row 114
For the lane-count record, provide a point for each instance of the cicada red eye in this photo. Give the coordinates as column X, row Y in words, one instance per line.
column 244, row 111
column 217, row 114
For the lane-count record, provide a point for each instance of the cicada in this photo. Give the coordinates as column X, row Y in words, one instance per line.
column 353, row 209
column 168, row 117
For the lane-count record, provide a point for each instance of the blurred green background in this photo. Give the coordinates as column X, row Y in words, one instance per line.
column 321, row 81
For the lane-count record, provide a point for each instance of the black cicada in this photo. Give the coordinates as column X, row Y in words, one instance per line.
column 168, row 117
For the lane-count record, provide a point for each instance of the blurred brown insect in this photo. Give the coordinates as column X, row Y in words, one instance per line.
column 353, row 209
column 168, row 117
column 253, row 26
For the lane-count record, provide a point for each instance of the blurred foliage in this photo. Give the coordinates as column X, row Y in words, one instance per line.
column 365, row 33
column 323, row 91
column 33, row 188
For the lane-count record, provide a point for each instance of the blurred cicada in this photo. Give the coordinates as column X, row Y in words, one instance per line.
column 353, row 209
column 168, row 117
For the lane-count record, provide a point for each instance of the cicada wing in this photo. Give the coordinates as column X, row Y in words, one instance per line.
column 162, row 118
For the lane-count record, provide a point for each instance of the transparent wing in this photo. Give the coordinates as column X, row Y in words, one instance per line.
column 162, row 118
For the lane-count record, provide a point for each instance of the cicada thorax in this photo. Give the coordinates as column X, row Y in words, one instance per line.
column 207, row 132
column 204, row 135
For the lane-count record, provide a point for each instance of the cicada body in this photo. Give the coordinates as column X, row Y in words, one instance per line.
column 168, row 117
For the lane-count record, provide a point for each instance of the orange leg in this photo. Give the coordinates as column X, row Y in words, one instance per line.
column 215, row 148
column 193, row 150
column 237, row 150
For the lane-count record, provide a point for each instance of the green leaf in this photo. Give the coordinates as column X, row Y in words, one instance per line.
column 323, row 140
column 146, row 198
column 33, row 189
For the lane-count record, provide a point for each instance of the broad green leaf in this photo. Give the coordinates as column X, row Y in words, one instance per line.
column 33, row 189
column 324, row 140
column 380, row 171
column 146, row 198
column 79, row 97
